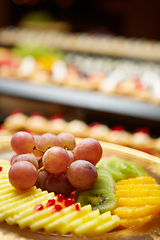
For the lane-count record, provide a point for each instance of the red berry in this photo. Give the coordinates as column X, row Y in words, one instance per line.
column 57, row 208
column 77, row 207
column 60, row 197
column 50, row 202
column 38, row 207
column 1, row 168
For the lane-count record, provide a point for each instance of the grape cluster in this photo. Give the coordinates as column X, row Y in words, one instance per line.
column 55, row 163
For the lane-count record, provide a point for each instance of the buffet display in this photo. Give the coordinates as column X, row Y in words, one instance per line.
column 36, row 123
column 40, row 65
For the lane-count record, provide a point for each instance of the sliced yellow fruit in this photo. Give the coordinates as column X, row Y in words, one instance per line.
column 138, row 192
column 136, row 212
column 89, row 226
column 138, row 180
column 42, row 223
column 105, row 227
column 127, row 223
column 68, row 227
column 138, row 201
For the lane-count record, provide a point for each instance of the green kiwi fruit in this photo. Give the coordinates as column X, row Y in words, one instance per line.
column 102, row 195
column 121, row 169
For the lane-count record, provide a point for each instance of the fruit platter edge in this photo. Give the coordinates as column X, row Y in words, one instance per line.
column 149, row 231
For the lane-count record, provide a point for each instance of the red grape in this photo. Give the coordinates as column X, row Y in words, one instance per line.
column 22, row 142
column 36, row 152
column 82, row 174
column 22, row 175
column 47, row 141
column 26, row 157
column 88, row 149
column 68, row 140
column 55, row 160
column 59, row 184
column 41, row 179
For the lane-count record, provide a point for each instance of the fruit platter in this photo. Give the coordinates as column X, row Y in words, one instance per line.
column 76, row 189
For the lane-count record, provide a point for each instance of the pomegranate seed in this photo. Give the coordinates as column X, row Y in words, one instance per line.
column 50, row 202
column 73, row 201
column 60, row 198
column 57, row 208
column 1, row 168
column 68, row 202
column 38, row 207
column 77, row 207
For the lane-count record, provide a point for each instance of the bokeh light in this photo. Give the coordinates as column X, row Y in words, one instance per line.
column 28, row 2
column 64, row 3
column 31, row 2
column 18, row 2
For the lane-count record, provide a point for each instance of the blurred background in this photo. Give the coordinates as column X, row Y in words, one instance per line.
column 93, row 66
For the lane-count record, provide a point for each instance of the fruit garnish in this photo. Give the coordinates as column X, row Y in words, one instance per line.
column 60, row 198
column 57, row 208
column 68, row 202
column 139, row 201
column 51, row 202
column 145, row 130
column 120, row 168
column 102, row 195
column 119, row 128
column 15, row 111
column 38, row 207
column 56, row 116
column 1, row 168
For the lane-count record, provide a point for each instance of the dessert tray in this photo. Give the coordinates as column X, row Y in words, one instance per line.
column 149, row 231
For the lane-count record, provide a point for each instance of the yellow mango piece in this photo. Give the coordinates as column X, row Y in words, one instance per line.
column 68, row 227
column 105, row 227
column 138, row 201
column 26, row 218
column 89, row 226
column 71, row 226
column 63, row 220
column 3, row 182
column 136, row 212
column 42, row 223
column 14, row 208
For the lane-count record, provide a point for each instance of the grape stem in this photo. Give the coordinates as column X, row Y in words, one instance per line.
column 38, row 149
column 41, row 169
column 38, row 160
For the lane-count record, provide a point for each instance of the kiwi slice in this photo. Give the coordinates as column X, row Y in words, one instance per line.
column 121, row 169
column 102, row 195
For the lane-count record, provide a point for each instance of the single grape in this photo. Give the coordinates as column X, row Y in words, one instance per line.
column 71, row 157
column 47, row 141
column 12, row 158
column 82, row 174
column 59, row 184
column 22, row 175
column 22, row 142
column 68, row 140
column 55, row 160
column 88, row 149
column 36, row 152
column 41, row 179
column 30, row 157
